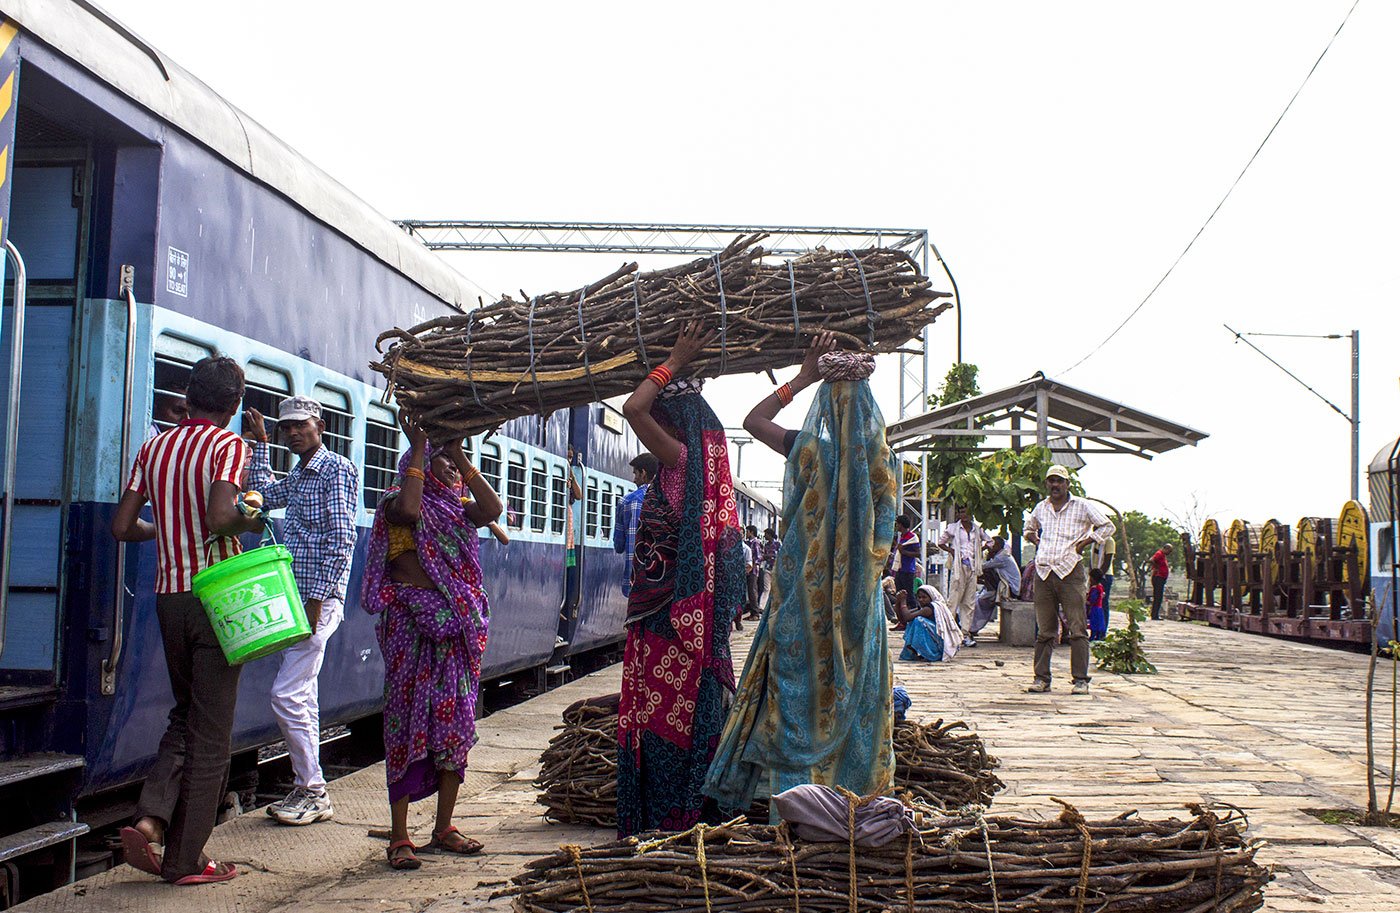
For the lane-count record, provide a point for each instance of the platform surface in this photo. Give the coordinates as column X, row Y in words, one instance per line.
column 1271, row 726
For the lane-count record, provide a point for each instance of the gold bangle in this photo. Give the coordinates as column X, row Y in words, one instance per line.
column 471, row 473
column 413, row 472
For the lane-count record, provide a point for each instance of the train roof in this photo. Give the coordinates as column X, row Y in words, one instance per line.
column 754, row 494
column 98, row 43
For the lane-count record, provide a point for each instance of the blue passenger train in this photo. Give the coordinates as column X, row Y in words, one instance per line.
column 152, row 224
column 1384, row 500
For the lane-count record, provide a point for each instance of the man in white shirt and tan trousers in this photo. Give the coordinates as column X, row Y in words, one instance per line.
column 1061, row 527
column 964, row 542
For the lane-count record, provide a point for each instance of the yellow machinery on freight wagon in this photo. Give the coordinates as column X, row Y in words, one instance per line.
column 1309, row 582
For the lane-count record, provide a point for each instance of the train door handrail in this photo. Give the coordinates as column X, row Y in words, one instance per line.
column 12, row 432
column 109, row 665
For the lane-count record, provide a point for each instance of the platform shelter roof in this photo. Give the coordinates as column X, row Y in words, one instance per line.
column 1041, row 410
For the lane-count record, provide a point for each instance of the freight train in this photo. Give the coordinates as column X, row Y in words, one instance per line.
column 152, row 224
column 1324, row 579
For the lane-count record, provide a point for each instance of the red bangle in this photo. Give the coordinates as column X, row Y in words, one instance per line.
column 785, row 394
column 660, row 375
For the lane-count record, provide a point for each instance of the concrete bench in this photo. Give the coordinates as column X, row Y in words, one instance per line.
column 1017, row 623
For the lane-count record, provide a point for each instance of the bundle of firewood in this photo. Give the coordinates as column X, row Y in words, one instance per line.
column 936, row 764
column 979, row 864
column 943, row 765
column 467, row 372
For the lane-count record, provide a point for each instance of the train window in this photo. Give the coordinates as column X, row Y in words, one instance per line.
column 339, row 417
column 515, row 489
column 1384, row 543
column 469, row 449
column 558, row 500
column 174, row 359
column 491, row 463
column 381, row 453
column 590, row 509
column 606, row 511
column 539, row 495
column 266, row 388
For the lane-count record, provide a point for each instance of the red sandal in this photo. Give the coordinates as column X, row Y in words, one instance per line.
column 210, row 875
column 468, row 846
column 140, row 853
column 403, row 861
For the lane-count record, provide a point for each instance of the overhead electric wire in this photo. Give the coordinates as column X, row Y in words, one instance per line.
column 1240, row 337
column 1134, row 312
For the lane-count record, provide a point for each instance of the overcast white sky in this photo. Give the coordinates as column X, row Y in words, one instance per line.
column 1061, row 155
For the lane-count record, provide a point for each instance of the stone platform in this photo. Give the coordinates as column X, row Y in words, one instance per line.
column 1270, row 726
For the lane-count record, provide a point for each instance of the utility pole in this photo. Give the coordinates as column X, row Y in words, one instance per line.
column 1354, row 417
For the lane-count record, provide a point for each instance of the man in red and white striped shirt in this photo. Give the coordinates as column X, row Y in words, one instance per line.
column 191, row 475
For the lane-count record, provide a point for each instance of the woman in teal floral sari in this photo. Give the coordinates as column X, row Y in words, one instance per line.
column 814, row 703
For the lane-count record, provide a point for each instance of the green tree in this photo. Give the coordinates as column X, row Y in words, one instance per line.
column 1002, row 488
column 949, row 456
column 1145, row 536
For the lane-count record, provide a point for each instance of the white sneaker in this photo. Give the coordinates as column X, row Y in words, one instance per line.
column 303, row 806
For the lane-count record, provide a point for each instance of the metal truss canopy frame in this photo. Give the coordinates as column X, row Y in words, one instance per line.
column 653, row 238
column 1052, row 414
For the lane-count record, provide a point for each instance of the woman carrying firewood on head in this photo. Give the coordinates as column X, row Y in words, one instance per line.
column 814, row 704
column 687, row 584
column 423, row 581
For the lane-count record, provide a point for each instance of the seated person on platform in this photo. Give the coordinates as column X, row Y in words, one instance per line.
column 931, row 632
column 1001, row 580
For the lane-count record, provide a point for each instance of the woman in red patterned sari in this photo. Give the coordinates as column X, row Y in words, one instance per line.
column 687, row 585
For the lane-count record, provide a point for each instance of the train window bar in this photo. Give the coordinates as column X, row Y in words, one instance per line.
column 558, row 500
column 175, row 358
column 265, row 390
column 591, row 509
column 539, row 495
column 605, row 511
column 491, row 463
column 515, row 489
column 339, row 417
column 381, row 454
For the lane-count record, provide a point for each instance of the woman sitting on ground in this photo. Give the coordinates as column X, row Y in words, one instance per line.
column 423, row 580
column 931, row 632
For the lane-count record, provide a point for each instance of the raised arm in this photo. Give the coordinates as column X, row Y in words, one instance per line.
column 405, row 509
column 485, row 505
column 637, row 409
column 759, row 421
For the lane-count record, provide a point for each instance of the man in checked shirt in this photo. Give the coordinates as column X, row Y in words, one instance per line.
column 321, row 495
column 1061, row 527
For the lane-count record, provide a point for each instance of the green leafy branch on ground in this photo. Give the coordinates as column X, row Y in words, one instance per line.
column 1122, row 651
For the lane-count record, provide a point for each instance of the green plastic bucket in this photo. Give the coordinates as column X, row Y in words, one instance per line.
column 252, row 602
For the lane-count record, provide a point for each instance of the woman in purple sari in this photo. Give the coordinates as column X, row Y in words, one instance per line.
column 423, row 580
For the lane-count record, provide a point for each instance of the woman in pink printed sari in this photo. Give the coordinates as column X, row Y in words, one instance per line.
column 423, row 580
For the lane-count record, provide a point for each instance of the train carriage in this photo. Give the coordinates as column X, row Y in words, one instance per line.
column 152, row 224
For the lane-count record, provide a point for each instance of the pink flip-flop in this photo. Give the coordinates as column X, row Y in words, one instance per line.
column 210, row 875
column 140, row 853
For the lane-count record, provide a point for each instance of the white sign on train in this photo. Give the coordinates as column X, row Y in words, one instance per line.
column 177, row 272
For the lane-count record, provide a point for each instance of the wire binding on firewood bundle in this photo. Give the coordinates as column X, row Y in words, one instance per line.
column 471, row 378
column 865, row 288
column 637, row 311
column 583, row 345
column 796, row 317
column 723, row 319
column 534, row 374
